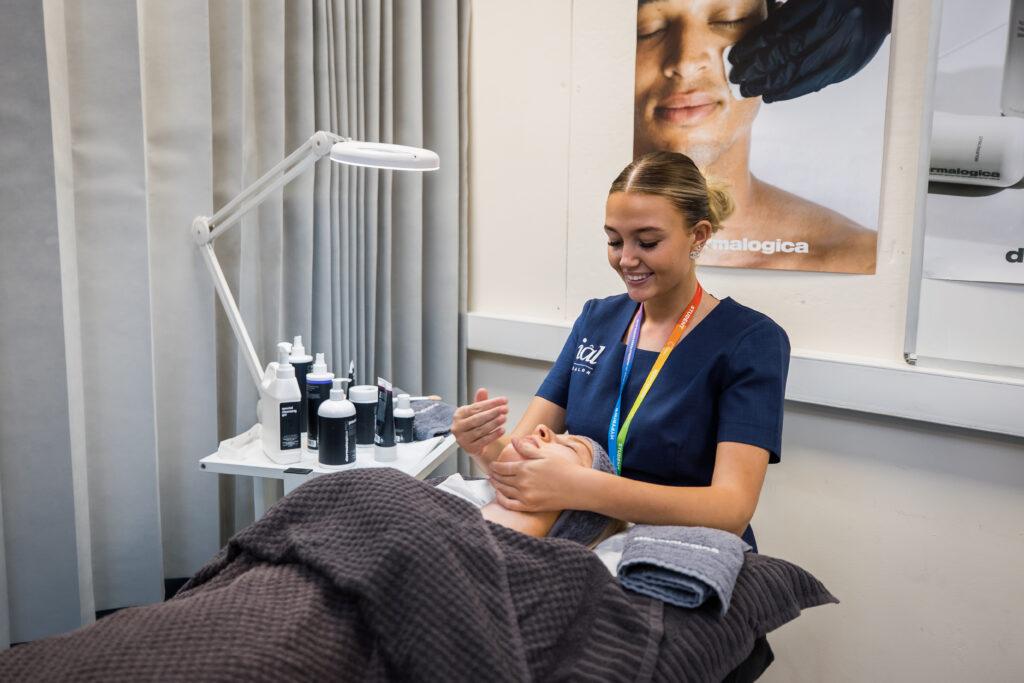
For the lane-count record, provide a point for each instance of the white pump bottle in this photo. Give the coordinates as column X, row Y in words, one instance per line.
column 280, row 400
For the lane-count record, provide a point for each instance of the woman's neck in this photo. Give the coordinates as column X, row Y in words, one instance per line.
column 668, row 306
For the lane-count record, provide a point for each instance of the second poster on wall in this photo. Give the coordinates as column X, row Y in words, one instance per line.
column 974, row 229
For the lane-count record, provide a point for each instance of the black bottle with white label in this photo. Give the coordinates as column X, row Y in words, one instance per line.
column 318, row 390
column 337, row 429
column 364, row 396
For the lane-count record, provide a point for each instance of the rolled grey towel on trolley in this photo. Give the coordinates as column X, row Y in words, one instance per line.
column 681, row 565
column 431, row 418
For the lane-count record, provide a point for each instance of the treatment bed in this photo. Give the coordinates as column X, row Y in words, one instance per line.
column 373, row 575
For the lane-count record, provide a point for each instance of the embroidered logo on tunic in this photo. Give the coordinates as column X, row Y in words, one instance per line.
column 586, row 357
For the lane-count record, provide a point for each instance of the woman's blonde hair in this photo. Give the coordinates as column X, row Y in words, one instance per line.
column 675, row 177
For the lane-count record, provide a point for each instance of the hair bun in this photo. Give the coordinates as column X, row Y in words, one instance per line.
column 720, row 203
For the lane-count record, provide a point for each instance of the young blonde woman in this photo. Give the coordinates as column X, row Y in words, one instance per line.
column 686, row 390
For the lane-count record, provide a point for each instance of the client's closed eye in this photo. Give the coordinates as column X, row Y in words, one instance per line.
column 579, row 448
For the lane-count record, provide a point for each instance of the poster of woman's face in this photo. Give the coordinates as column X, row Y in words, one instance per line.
column 804, row 173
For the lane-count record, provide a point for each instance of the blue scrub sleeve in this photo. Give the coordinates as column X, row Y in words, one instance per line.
column 750, row 407
column 555, row 386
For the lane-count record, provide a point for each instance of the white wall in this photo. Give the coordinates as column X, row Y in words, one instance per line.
column 552, row 119
column 915, row 527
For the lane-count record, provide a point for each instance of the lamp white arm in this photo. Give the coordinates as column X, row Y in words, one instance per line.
column 252, row 361
column 208, row 228
column 205, row 229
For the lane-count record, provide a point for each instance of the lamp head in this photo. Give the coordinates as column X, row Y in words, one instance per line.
column 384, row 155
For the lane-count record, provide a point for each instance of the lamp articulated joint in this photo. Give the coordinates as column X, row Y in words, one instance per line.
column 201, row 230
column 322, row 141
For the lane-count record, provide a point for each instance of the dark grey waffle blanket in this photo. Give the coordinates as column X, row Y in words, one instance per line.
column 371, row 575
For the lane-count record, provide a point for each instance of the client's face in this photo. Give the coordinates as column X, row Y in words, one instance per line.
column 564, row 446
column 682, row 99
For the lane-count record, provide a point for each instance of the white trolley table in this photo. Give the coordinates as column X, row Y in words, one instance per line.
column 417, row 459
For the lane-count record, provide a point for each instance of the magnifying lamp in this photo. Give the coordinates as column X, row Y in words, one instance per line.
column 206, row 229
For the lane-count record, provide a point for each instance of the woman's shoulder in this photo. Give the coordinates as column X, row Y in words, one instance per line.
column 608, row 308
column 742, row 322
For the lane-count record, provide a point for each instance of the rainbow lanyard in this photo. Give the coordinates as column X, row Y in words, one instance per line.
column 617, row 438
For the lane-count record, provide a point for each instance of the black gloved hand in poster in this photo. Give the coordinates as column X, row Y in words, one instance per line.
column 805, row 45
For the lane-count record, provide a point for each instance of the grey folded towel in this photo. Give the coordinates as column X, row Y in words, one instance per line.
column 430, row 419
column 584, row 526
column 681, row 565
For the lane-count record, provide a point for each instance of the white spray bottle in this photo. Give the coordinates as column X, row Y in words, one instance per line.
column 302, row 362
column 404, row 415
column 280, row 400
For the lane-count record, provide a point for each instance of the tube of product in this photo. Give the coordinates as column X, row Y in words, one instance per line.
column 384, row 433
column 976, row 150
column 1013, row 69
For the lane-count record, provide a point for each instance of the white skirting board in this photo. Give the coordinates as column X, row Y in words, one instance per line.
column 957, row 399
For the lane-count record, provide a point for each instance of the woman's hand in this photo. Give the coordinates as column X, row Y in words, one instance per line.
column 479, row 424
column 539, row 482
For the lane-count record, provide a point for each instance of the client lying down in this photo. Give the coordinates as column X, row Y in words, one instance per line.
column 372, row 574
column 587, row 528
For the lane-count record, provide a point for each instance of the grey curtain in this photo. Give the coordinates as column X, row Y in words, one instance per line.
column 126, row 119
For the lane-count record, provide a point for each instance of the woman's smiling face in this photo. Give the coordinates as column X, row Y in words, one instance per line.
column 682, row 100
column 649, row 243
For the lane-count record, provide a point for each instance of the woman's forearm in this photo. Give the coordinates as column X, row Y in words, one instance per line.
column 717, row 507
column 490, row 453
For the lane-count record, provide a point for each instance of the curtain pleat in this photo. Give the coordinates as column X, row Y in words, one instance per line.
column 299, row 121
column 462, row 398
column 441, row 199
column 174, row 53
column 407, row 227
column 324, row 335
column 42, row 472
column 164, row 111
column 108, row 193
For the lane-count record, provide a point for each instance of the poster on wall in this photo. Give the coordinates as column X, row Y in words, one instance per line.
column 974, row 218
column 784, row 101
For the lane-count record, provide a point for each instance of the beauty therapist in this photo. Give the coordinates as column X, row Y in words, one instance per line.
column 685, row 389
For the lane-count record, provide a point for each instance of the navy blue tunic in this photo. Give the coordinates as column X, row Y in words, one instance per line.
column 725, row 381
